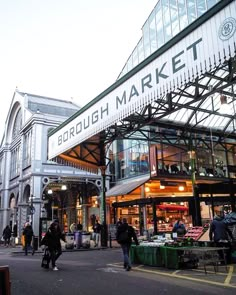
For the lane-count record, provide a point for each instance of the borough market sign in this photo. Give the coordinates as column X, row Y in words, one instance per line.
column 184, row 59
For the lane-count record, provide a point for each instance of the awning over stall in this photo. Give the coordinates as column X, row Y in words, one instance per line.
column 126, row 187
column 172, row 207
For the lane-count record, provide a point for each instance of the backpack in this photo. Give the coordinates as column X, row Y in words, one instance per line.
column 123, row 237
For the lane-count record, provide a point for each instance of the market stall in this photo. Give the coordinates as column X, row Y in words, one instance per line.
column 178, row 257
column 177, row 253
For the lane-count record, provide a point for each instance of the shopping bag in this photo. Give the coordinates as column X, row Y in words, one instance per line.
column 46, row 259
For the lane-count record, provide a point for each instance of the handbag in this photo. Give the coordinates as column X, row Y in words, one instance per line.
column 46, row 259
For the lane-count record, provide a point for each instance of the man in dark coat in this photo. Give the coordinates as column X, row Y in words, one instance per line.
column 52, row 241
column 28, row 234
column 125, row 234
column 220, row 233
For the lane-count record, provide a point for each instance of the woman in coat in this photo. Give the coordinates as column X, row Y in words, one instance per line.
column 52, row 240
column 6, row 235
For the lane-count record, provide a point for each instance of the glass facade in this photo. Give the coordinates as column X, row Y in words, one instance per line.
column 167, row 19
column 130, row 158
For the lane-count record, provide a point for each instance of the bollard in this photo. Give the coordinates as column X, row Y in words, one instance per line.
column 5, row 284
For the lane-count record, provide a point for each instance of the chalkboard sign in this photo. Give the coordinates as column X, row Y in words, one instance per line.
column 4, row 280
column 112, row 231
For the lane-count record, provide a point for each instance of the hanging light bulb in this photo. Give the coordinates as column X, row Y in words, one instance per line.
column 181, row 188
column 63, row 187
column 147, row 189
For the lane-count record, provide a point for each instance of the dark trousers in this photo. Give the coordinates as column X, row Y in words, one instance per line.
column 27, row 245
column 125, row 249
column 55, row 254
column 227, row 252
column 7, row 242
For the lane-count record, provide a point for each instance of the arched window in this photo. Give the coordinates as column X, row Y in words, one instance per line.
column 17, row 125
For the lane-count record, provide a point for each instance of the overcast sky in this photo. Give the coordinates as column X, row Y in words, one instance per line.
column 66, row 48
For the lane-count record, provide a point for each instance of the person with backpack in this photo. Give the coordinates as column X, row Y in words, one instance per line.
column 125, row 235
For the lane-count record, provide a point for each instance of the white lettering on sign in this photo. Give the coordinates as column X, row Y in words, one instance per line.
column 184, row 59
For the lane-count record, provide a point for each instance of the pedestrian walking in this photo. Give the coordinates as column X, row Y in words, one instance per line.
column 52, row 240
column 6, row 235
column 119, row 222
column 97, row 232
column 28, row 235
column 221, row 235
column 125, row 235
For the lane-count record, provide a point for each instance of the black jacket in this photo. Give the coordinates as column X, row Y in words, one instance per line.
column 219, row 230
column 131, row 233
column 52, row 238
column 28, row 234
column 97, row 228
column 7, row 233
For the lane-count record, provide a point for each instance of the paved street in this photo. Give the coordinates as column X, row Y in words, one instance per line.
column 101, row 272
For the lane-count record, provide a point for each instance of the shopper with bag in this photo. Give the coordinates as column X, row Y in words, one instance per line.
column 52, row 240
column 125, row 235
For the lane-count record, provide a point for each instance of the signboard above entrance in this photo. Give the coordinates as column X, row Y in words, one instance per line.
column 184, row 61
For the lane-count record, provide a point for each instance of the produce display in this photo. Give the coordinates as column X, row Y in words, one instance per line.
column 156, row 241
column 194, row 232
